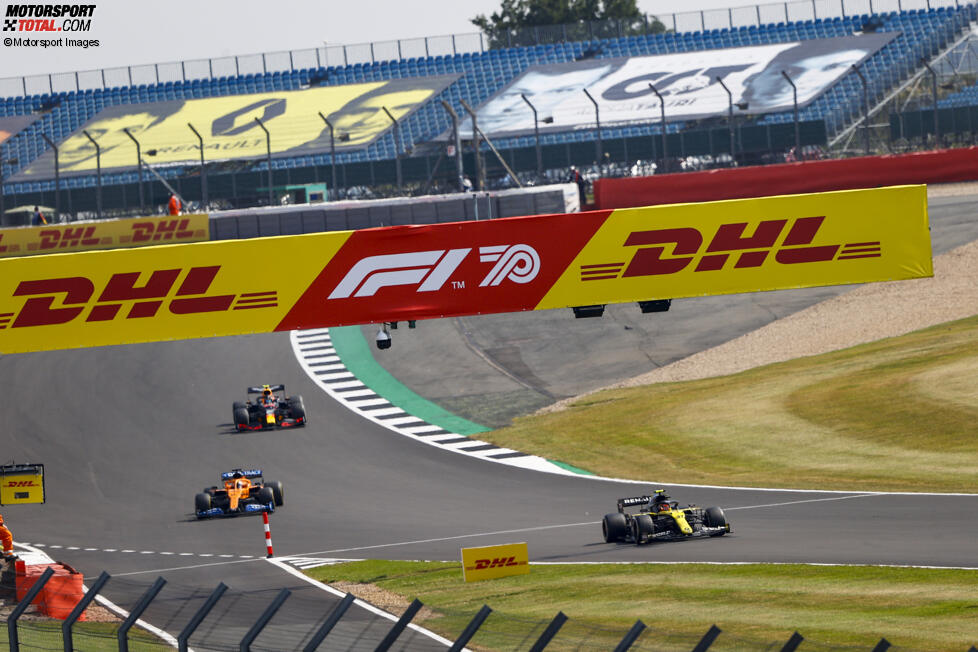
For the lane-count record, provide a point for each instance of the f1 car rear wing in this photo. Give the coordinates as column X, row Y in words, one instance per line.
column 632, row 502
column 248, row 473
column 258, row 389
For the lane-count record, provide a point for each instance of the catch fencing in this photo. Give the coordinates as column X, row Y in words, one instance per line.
column 223, row 619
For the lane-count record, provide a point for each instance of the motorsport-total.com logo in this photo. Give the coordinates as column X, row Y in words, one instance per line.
column 48, row 18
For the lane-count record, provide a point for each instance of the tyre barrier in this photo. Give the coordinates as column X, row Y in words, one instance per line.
column 60, row 594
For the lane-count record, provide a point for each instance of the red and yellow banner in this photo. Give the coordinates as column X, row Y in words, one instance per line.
column 103, row 234
column 490, row 562
column 421, row 272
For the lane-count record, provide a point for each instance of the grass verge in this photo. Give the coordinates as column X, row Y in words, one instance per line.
column 894, row 415
column 757, row 606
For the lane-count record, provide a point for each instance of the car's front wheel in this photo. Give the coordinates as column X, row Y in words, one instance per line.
column 715, row 517
column 240, row 416
column 614, row 527
column 298, row 409
column 277, row 492
column 202, row 503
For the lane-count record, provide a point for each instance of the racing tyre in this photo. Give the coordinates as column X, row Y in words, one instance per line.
column 277, row 493
column 614, row 527
column 298, row 408
column 266, row 496
column 240, row 418
column 202, row 503
column 714, row 517
column 642, row 528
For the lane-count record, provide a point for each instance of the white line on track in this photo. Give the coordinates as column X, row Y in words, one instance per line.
column 360, row 603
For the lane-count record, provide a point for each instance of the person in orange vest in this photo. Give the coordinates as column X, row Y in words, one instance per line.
column 175, row 205
column 7, row 540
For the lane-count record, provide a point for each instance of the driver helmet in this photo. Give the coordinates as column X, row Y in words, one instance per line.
column 267, row 392
column 237, row 474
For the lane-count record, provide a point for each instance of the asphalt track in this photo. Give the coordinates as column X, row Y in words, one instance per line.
column 128, row 434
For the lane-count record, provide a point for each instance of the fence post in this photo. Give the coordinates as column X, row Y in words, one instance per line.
column 136, row 612
column 793, row 643
column 882, row 646
column 630, row 637
column 199, row 616
column 249, row 638
column 334, row 617
column 399, row 626
column 471, row 629
column 549, row 632
column 80, row 609
column 708, row 638
column 22, row 607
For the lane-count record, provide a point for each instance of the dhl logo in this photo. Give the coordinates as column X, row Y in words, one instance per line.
column 61, row 300
column 21, row 483
column 729, row 242
column 496, row 562
column 162, row 230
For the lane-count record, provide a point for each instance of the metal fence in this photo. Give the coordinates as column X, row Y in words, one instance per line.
column 222, row 619
column 342, row 55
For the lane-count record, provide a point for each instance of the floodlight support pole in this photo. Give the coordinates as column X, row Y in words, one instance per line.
column 98, row 175
column 794, row 93
column 597, row 121
column 933, row 81
column 57, row 179
column 862, row 78
column 536, row 135
column 203, row 169
column 268, row 159
column 477, row 144
column 397, row 147
column 459, row 170
column 662, row 108
column 332, row 151
column 139, row 168
column 730, row 122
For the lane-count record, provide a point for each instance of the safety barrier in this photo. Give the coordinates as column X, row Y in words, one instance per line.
column 942, row 166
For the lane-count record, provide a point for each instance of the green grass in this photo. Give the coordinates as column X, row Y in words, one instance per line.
column 894, row 415
column 90, row 637
column 755, row 605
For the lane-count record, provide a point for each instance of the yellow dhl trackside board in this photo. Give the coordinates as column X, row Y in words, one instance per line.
column 421, row 272
column 103, row 234
column 490, row 562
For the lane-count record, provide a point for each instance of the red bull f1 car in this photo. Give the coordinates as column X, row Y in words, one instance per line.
column 244, row 491
column 657, row 518
column 268, row 410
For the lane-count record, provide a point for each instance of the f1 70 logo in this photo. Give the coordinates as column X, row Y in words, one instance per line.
column 728, row 242
column 430, row 270
column 496, row 562
column 60, row 300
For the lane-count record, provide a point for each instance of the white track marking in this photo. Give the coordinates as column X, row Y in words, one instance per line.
column 360, row 603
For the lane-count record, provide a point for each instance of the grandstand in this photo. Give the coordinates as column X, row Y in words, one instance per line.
column 922, row 34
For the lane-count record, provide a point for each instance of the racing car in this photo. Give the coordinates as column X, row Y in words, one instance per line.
column 244, row 491
column 268, row 410
column 658, row 518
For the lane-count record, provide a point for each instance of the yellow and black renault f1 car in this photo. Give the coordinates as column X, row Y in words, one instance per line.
column 244, row 491
column 657, row 518
column 268, row 410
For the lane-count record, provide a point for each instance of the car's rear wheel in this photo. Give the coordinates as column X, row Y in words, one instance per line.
column 715, row 517
column 266, row 496
column 298, row 408
column 614, row 527
column 277, row 492
column 240, row 416
column 202, row 503
column 642, row 528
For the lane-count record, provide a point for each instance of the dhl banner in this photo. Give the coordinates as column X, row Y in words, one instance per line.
column 228, row 128
column 402, row 273
column 102, row 234
column 490, row 562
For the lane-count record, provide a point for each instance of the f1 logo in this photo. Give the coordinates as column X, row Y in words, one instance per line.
column 430, row 270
